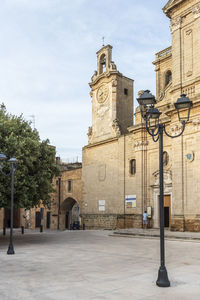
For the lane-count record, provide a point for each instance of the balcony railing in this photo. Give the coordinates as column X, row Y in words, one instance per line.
column 164, row 52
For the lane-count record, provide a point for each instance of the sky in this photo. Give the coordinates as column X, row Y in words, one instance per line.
column 48, row 55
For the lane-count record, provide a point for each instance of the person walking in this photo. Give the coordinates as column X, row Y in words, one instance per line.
column 145, row 220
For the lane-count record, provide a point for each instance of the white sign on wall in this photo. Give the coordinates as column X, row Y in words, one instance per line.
column 130, row 201
column 102, row 208
column 102, row 204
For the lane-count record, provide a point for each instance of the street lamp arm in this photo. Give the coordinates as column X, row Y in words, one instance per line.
column 152, row 132
column 155, row 139
column 175, row 136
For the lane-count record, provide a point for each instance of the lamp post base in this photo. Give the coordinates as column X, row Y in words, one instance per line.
column 10, row 250
column 162, row 280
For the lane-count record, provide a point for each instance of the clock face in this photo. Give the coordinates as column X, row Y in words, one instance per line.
column 102, row 93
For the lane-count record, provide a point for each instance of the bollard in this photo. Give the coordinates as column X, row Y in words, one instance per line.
column 22, row 228
column 41, row 228
column 4, row 231
column 83, row 226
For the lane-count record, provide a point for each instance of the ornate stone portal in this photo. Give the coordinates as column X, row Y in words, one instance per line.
column 167, row 176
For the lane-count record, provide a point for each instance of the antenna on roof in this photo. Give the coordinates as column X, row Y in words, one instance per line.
column 103, row 40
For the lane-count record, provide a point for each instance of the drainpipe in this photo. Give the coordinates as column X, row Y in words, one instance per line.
column 59, row 194
column 124, row 181
column 183, row 195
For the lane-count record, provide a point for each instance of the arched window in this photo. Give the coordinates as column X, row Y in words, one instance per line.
column 102, row 63
column 168, row 77
column 132, row 166
column 69, row 186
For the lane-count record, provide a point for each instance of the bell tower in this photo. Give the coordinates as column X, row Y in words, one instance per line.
column 104, row 58
column 112, row 99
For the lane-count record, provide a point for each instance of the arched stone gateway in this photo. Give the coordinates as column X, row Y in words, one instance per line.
column 70, row 213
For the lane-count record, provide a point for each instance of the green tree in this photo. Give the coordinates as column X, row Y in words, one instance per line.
column 36, row 164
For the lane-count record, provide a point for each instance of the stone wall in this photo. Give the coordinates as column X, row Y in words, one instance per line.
column 111, row 221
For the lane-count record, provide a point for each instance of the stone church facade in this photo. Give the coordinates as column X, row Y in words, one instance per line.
column 120, row 174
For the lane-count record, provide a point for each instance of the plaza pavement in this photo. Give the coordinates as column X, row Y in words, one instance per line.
column 155, row 233
column 94, row 265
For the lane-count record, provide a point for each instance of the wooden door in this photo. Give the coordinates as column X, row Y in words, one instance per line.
column 67, row 220
column 48, row 219
column 37, row 219
column 167, row 210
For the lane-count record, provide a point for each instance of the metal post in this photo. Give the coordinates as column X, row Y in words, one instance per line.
column 59, row 198
column 4, row 223
column 10, row 247
column 162, row 280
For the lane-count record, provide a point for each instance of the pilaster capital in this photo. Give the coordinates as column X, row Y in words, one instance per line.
column 175, row 24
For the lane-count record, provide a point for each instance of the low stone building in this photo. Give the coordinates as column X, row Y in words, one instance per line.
column 64, row 209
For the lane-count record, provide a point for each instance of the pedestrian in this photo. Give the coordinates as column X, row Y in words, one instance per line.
column 145, row 220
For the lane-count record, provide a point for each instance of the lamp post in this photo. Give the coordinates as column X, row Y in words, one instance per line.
column 151, row 116
column 12, row 161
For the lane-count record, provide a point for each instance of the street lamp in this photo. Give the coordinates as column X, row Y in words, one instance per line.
column 12, row 161
column 151, row 116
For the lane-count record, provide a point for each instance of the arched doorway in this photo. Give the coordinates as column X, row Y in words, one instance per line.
column 70, row 213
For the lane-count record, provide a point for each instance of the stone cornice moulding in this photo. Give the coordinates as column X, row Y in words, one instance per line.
column 196, row 123
column 96, row 78
column 106, row 141
column 196, row 11
column 141, row 145
column 175, row 129
column 167, row 177
column 175, row 24
column 137, row 128
column 170, row 5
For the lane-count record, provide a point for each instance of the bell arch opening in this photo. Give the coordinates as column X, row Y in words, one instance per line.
column 102, row 63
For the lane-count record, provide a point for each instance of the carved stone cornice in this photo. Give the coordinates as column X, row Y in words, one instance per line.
column 175, row 129
column 116, row 127
column 196, row 123
column 167, row 177
column 196, row 11
column 95, row 78
column 141, row 145
column 170, row 5
column 89, row 134
column 175, row 24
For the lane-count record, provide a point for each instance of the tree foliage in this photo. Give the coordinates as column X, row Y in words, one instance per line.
column 36, row 164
